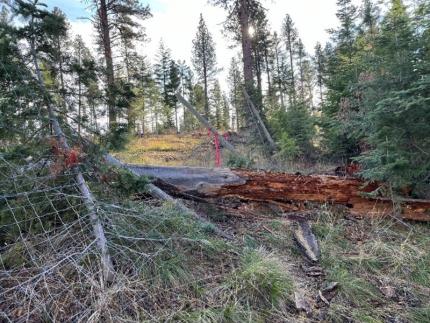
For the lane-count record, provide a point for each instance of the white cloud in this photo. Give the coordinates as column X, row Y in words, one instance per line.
column 85, row 29
column 177, row 26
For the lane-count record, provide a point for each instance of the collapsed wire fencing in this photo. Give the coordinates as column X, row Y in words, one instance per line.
column 49, row 260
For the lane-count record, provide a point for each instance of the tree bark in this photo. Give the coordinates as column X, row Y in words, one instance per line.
column 107, row 47
column 289, row 191
column 246, row 46
column 160, row 194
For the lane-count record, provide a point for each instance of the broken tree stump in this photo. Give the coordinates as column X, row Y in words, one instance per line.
column 282, row 189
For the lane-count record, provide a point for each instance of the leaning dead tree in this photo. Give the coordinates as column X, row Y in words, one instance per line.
column 206, row 123
column 290, row 192
column 88, row 198
column 265, row 134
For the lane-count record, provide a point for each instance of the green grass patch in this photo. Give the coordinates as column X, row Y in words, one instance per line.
column 260, row 280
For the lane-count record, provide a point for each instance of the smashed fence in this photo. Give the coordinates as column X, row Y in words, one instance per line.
column 50, row 265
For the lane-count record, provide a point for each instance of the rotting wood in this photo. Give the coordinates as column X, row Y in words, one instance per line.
column 301, row 302
column 283, row 189
column 307, row 241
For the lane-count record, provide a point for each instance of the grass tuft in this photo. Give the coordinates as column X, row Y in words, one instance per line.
column 260, row 280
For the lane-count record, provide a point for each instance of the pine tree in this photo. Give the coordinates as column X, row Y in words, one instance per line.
column 235, row 80
column 301, row 56
column 289, row 33
column 396, row 45
column 343, row 69
column 59, row 61
column 198, row 101
column 186, row 90
column 242, row 13
column 261, row 46
column 278, row 68
column 21, row 99
column 172, row 87
column 217, row 103
column 162, row 76
column 204, row 59
column 114, row 18
column 370, row 16
column 347, row 13
column 319, row 63
column 225, row 125
column 396, row 105
column 84, row 70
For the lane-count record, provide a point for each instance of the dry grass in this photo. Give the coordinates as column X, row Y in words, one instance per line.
column 382, row 268
column 168, row 150
column 197, row 149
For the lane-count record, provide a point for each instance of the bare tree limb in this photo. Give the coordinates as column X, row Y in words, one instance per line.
column 89, row 201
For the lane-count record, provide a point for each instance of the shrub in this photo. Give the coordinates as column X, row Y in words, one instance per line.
column 288, row 147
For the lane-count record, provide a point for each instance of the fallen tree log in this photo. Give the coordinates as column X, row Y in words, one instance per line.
column 283, row 189
column 162, row 195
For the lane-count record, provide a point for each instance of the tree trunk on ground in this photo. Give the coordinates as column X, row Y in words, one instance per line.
column 290, row 192
column 160, row 194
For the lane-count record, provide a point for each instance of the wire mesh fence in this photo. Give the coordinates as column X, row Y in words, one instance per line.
column 50, row 267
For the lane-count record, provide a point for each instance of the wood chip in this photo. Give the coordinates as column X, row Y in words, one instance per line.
column 307, row 241
column 301, row 303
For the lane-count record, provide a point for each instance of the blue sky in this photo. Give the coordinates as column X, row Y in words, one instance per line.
column 75, row 9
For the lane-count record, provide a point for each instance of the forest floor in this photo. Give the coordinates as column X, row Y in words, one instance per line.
column 371, row 270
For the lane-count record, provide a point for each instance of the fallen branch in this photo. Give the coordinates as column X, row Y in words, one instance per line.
column 89, row 201
column 260, row 123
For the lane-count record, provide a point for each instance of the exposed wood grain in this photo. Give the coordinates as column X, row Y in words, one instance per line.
column 284, row 189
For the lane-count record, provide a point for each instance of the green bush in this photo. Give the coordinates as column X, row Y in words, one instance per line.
column 235, row 161
column 295, row 130
column 288, row 147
